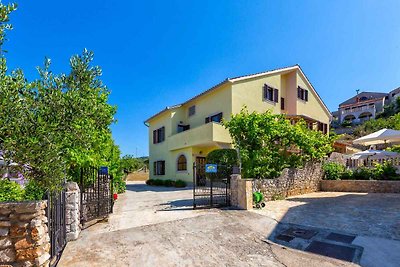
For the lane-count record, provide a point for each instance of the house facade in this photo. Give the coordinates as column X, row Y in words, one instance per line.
column 364, row 106
column 183, row 134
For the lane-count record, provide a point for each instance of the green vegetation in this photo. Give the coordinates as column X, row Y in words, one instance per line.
column 392, row 122
column 11, row 191
column 226, row 159
column 384, row 171
column 269, row 143
column 56, row 123
column 167, row 183
column 130, row 164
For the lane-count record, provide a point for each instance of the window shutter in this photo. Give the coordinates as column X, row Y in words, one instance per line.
column 154, row 136
column 265, row 91
column 207, row 120
column 306, row 95
column 276, row 95
column 155, row 167
column 299, row 92
column 282, row 103
column 162, row 134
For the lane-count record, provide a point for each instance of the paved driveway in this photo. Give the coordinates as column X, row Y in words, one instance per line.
column 154, row 226
column 374, row 218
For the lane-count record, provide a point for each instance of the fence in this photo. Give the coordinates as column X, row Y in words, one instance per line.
column 371, row 162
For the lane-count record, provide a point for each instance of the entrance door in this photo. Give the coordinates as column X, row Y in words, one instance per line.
column 200, row 171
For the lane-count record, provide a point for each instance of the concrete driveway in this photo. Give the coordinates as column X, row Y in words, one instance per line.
column 373, row 218
column 155, row 226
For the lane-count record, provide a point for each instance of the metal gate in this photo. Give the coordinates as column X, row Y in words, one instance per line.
column 96, row 194
column 56, row 224
column 210, row 189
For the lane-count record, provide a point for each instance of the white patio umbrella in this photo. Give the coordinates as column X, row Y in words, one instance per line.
column 374, row 154
column 380, row 137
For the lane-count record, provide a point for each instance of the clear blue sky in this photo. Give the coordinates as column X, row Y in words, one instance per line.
column 156, row 54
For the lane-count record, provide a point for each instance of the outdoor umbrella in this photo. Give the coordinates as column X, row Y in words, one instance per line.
column 380, row 137
column 374, row 154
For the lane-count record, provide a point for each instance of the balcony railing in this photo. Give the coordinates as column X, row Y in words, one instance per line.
column 357, row 109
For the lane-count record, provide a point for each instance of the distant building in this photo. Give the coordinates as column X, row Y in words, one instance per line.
column 364, row 106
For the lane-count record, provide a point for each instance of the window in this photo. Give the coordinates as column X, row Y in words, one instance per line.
column 159, row 167
column 214, row 118
column 192, row 110
column 364, row 98
column 282, row 103
column 302, row 93
column 159, row 135
column 182, row 163
column 182, row 128
column 270, row 93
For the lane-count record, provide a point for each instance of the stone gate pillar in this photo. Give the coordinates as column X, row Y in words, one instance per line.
column 72, row 213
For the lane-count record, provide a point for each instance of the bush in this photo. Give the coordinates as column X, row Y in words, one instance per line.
column 333, row 170
column 158, row 182
column 180, row 183
column 119, row 185
column 347, row 175
column 363, row 173
column 33, row 191
column 169, row 183
column 385, row 171
column 10, row 191
column 150, row 182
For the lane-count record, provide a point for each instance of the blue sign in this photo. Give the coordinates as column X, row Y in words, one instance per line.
column 104, row 170
column 211, row 168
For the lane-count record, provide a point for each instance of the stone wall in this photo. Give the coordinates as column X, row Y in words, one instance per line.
column 367, row 186
column 24, row 238
column 72, row 212
column 291, row 182
column 241, row 192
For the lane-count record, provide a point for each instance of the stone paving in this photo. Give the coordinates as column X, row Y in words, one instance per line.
column 371, row 214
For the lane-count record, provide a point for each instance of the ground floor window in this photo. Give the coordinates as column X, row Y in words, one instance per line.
column 182, row 163
column 159, row 167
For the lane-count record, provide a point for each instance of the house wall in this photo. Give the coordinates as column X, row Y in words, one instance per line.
column 311, row 108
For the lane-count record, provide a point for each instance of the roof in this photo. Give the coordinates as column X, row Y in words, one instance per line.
column 245, row 77
column 368, row 95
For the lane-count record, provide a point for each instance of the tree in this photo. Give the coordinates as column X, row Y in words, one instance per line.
column 269, row 143
column 57, row 122
column 130, row 164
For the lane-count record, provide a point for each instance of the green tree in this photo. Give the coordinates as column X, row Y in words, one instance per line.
column 269, row 143
column 57, row 122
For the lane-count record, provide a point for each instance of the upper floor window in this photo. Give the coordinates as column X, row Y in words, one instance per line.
column 182, row 128
column 302, row 93
column 159, row 135
column 159, row 167
column 270, row 93
column 192, row 110
column 182, row 163
column 214, row 118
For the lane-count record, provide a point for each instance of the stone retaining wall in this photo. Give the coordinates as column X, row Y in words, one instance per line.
column 361, row 186
column 291, row 182
column 24, row 238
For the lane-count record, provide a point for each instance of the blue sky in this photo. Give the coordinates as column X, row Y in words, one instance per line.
column 159, row 53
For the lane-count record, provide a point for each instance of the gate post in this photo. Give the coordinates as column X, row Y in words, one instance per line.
column 72, row 212
column 194, row 185
column 241, row 192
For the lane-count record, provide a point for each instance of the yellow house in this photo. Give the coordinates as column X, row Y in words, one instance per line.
column 183, row 134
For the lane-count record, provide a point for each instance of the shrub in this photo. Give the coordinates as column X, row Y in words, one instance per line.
column 180, row 183
column 150, row 182
column 385, row 171
column 226, row 159
column 33, row 191
column 169, row 183
column 347, row 175
column 119, row 185
column 158, row 182
column 10, row 191
column 363, row 173
column 333, row 170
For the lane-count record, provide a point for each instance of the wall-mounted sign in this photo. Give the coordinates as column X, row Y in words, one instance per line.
column 211, row 168
column 103, row 170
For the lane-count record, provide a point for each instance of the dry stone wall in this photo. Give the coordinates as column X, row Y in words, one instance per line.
column 361, row 186
column 24, row 238
column 292, row 182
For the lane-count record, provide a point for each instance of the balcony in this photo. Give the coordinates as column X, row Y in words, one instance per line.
column 207, row 134
column 369, row 108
